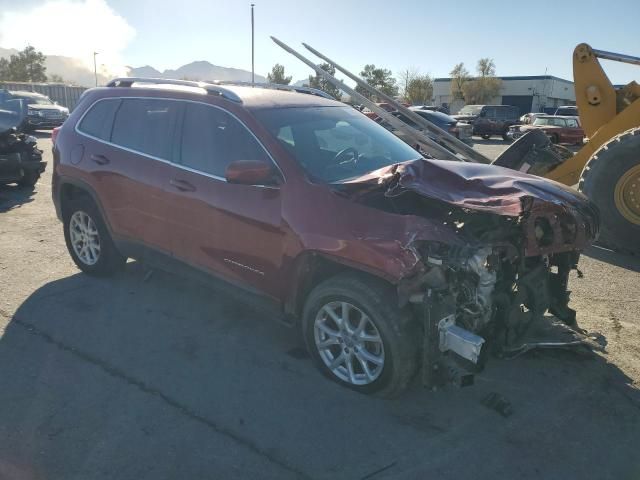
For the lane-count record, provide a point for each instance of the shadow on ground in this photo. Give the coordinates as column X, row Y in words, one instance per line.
column 13, row 196
column 166, row 378
column 629, row 262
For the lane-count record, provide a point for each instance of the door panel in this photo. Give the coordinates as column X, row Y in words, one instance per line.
column 229, row 229
column 129, row 164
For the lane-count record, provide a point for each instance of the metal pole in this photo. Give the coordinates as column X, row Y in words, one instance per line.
column 95, row 69
column 253, row 74
column 452, row 142
column 418, row 136
column 616, row 57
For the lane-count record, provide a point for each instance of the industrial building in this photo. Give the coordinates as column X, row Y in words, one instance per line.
column 528, row 93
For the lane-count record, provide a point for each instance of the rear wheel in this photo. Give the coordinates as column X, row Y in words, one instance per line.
column 88, row 239
column 611, row 179
column 358, row 337
column 485, row 136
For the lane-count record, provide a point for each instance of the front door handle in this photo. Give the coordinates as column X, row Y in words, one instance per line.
column 100, row 159
column 182, row 185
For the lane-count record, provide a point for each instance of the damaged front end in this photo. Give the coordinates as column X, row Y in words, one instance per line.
column 20, row 159
column 518, row 238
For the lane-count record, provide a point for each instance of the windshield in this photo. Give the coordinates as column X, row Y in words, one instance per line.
column 556, row 122
column 470, row 110
column 335, row 143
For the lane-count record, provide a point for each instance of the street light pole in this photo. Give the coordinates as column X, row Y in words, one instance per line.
column 95, row 69
column 253, row 75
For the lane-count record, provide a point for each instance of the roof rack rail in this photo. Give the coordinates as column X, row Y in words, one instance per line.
column 210, row 88
column 278, row 86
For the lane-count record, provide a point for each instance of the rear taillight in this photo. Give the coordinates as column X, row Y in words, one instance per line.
column 54, row 135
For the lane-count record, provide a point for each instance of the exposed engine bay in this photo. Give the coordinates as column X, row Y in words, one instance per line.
column 507, row 267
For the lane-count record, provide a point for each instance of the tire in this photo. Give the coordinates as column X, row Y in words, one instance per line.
column 108, row 260
column 398, row 333
column 29, row 179
column 485, row 136
column 554, row 139
column 600, row 176
column 505, row 137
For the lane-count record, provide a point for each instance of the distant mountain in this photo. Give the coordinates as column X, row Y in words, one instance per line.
column 201, row 70
column 146, row 72
column 70, row 69
column 76, row 72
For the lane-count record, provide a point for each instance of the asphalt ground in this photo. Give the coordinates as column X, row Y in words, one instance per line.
column 153, row 376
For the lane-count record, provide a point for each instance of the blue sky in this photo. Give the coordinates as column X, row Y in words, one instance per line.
column 523, row 37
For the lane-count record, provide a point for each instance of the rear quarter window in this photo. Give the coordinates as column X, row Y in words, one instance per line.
column 98, row 121
column 147, row 126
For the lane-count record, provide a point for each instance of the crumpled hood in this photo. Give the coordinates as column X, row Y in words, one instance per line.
column 476, row 186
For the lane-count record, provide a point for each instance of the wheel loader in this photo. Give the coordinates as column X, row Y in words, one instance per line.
column 606, row 168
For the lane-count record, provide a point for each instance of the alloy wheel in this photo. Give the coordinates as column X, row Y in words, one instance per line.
column 349, row 343
column 84, row 237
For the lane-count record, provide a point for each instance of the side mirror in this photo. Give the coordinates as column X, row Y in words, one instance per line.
column 250, row 172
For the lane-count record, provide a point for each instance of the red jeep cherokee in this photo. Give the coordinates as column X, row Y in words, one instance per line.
column 389, row 260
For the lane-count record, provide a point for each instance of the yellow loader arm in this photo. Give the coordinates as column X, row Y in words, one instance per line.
column 604, row 111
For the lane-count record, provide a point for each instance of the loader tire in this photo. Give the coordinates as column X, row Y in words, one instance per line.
column 611, row 179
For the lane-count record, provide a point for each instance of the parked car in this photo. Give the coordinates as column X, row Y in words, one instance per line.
column 567, row 110
column 322, row 211
column 43, row 113
column 558, row 129
column 528, row 118
column 20, row 160
column 433, row 108
column 462, row 131
column 488, row 120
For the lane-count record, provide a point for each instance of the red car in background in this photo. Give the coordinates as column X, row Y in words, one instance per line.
column 558, row 129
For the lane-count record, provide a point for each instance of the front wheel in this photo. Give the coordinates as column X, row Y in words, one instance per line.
column 486, row 137
column 88, row 239
column 358, row 337
column 29, row 179
column 611, row 179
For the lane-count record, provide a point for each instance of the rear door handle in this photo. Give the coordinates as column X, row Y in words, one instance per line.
column 100, row 159
column 182, row 185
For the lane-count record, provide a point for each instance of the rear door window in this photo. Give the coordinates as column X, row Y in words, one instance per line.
column 213, row 138
column 98, row 121
column 489, row 112
column 146, row 125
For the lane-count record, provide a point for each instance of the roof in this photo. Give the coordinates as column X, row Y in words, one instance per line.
column 258, row 98
column 251, row 97
column 524, row 77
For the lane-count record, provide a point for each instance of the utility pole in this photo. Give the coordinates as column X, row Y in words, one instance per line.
column 253, row 75
column 95, row 69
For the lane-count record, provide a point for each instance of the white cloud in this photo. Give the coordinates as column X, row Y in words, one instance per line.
column 70, row 28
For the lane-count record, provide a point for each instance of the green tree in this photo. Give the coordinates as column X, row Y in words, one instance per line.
column 277, row 75
column 317, row 81
column 4, row 69
column 26, row 66
column 419, row 90
column 459, row 76
column 485, row 87
column 380, row 78
column 55, row 78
